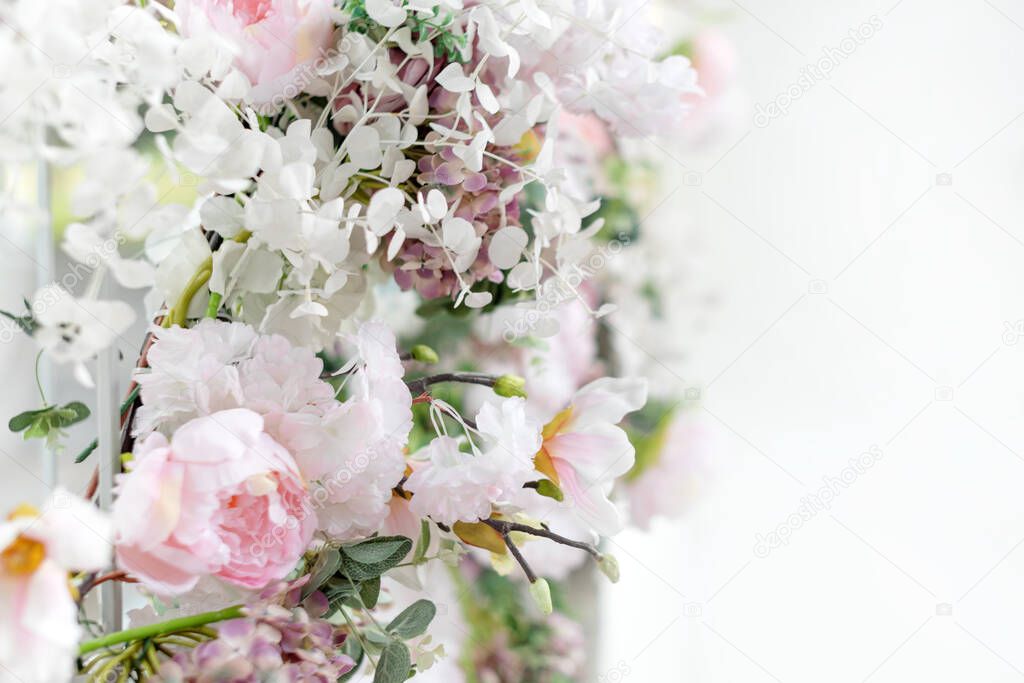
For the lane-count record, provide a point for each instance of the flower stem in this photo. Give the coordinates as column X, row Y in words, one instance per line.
column 163, row 628
column 39, row 382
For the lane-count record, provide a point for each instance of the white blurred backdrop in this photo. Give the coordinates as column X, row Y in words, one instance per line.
column 863, row 230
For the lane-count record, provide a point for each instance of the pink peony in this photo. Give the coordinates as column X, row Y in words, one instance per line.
column 221, row 498
column 277, row 41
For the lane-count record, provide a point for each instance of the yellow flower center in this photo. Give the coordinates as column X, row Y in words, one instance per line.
column 542, row 461
column 24, row 554
column 22, row 557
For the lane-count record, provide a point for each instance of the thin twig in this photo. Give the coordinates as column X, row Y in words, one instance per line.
column 504, row 527
column 530, row 576
column 419, row 386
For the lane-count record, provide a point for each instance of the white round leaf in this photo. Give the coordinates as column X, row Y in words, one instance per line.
column 506, row 247
column 383, row 209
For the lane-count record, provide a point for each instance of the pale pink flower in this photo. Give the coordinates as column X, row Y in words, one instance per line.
column 584, row 451
column 221, row 498
column 39, row 629
column 668, row 485
column 191, row 373
column 453, row 485
column 277, row 41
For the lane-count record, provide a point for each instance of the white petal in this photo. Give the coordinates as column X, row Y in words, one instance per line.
column 396, row 243
column 364, row 147
column 523, row 276
column 384, row 207
column 161, row 118
column 478, row 299
column 437, row 205
column 453, row 79
column 385, row 13
column 506, row 247
column 309, row 308
column 457, row 234
column 487, row 99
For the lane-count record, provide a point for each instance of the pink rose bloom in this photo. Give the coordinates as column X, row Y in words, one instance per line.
column 221, row 498
column 277, row 40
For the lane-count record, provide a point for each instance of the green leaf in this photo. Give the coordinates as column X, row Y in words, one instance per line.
column 423, row 544
column 80, row 410
column 376, row 549
column 369, row 593
column 373, row 557
column 549, row 489
column 394, row 663
column 327, row 564
column 41, row 423
column 24, row 420
column 413, row 620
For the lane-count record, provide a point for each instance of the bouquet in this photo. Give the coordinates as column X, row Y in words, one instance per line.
column 380, row 244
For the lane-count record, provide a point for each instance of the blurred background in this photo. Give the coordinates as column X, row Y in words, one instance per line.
column 845, row 223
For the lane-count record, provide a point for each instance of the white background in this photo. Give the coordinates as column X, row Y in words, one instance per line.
column 863, row 302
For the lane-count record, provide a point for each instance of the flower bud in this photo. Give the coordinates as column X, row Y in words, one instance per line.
column 424, row 354
column 540, row 591
column 609, row 566
column 510, row 386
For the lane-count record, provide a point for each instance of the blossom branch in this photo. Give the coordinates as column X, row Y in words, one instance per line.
column 504, row 527
column 419, row 386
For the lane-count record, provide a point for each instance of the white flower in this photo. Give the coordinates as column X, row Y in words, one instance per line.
column 39, row 629
column 191, row 373
column 75, row 330
column 452, row 485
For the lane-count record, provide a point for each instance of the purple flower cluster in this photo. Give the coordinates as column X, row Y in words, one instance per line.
column 427, row 268
column 278, row 639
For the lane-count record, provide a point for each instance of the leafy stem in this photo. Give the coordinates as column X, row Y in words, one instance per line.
column 189, row 623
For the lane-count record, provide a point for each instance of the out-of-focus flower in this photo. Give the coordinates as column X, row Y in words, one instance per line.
column 584, row 451
column 220, row 498
column 74, row 330
column 274, row 39
column 39, row 629
column 664, row 487
column 286, row 642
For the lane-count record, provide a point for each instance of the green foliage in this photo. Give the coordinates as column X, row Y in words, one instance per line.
column 349, row 576
column 438, row 28
column 48, row 422
column 413, row 620
column 394, row 665
column 370, row 558
column 26, row 322
column 647, row 431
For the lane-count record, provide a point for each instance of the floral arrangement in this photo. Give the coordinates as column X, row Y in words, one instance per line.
column 375, row 366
